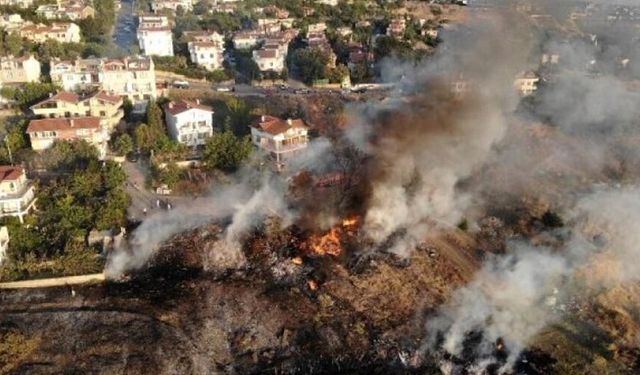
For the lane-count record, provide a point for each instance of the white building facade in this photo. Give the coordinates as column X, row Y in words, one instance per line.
column 154, row 36
column 189, row 123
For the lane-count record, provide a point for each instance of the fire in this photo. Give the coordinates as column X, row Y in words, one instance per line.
column 331, row 242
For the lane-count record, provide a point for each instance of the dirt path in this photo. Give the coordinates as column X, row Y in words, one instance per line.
column 58, row 281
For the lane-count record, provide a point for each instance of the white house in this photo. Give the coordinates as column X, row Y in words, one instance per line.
column 526, row 83
column 17, row 195
column 19, row 69
column 269, row 59
column 246, row 39
column 154, row 36
column 63, row 32
column 281, row 139
column 189, row 123
column 207, row 50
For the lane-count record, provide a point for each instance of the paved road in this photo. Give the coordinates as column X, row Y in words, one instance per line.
column 58, row 281
column 125, row 32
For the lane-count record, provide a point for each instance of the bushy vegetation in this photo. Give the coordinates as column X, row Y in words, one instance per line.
column 29, row 93
column 226, row 152
column 180, row 65
column 86, row 195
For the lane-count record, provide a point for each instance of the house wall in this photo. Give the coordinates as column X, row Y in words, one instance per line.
column 192, row 127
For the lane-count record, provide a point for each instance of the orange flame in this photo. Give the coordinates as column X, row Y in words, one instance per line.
column 331, row 242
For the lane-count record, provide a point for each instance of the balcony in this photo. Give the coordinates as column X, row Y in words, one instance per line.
column 283, row 148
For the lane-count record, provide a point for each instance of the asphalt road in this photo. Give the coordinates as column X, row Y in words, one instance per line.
column 124, row 34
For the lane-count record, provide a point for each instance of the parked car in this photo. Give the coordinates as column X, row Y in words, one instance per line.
column 181, row 84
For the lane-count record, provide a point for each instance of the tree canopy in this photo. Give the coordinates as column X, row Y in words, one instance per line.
column 226, row 152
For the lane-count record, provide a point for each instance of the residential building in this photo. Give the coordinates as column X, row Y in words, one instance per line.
column 158, row 5
column 330, row 3
column 4, row 243
column 108, row 108
column 19, row 69
column 207, row 54
column 63, row 32
column 319, row 27
column 17, row 194
column 44, row 132
column 189, row 123
column 11, row 22
column 269, row 59
column 397, row 27
column 131, row 77
column 73, row 10
column 154, row 36
column 319, row 41
column 281, row 139
column 246, row 39
column 550, row 59
column 18, row 3
column 526, row 83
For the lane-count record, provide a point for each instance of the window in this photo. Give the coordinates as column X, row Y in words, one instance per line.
column 103, row 113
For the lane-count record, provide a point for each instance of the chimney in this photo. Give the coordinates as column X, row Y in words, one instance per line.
column 262, row 118
column 51, row 95
column 198, row 101
column 170, row 105
column 289, row 121
column 71, row 122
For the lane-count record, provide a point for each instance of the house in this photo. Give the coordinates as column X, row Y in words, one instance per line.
column 17, row 3
column 269, row 59
column 330, row 3
column 189, row 123
column 358, row 57
column 397, row 27
column 154, row 36
column 11, row 22
column 526, row 83
column 108, row 108
column 4, row 243
column 73, row 10
column 246, row 39
column 63, row 32
column 281, row 139
column 19, row 69
column 319, row 27
column 17, row 194
column 131, row 77
column 44, row 132
column 173, row 5
column 207, row 50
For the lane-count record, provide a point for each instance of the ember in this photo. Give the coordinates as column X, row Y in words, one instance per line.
column 331, row 243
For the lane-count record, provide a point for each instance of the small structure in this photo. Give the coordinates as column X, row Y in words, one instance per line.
column 281, row 139
column 17, row 194
column 189, row 123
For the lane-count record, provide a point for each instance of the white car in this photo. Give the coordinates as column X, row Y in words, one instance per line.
column 181, row 84
column 224, row 89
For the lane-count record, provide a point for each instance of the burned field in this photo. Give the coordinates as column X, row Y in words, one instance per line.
column 289, row 310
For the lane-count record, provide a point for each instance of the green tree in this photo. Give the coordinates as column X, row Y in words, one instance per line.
column 13, row 44
column 238, row 114
column 225, row 151
column 310, row 63
column 123, row 144
column 337, row 74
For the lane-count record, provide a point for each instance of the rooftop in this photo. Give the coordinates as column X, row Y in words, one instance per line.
column 275, row 125
column 56, row 124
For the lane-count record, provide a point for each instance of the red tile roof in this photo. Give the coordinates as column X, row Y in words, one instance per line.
column 51, row 124
column 275, row 125
column 182, row 105
column 10, row 173
column 102, row 95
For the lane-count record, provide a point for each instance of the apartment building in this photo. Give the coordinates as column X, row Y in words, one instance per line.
column 131, row 77
column 19, row 69
column 44, row 132
column 108, row 108
column 73, row 10
column 246, row 39
column 154, row 36
column 526, row 83
column 63, row 32
column 17, row 194
column 11, row 22
column 281, row 139
column 189, row 123
column 173, row 5
column 18, row 3
column 207, row 50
